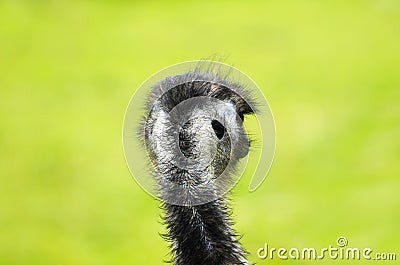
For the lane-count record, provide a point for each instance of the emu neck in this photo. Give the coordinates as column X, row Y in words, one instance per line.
column 202, row 234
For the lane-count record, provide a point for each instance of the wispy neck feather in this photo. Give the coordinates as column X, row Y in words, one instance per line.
column 202, row 234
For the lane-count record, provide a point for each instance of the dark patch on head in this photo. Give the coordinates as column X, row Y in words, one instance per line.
column 174, row 90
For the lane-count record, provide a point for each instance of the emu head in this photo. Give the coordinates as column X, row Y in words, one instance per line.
column 194, row 134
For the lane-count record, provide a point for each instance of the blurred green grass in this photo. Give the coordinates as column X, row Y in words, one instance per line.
column 330, row 70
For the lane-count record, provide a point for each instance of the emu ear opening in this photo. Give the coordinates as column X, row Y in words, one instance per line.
column 219, row 129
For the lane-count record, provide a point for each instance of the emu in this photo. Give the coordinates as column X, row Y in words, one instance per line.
column 193, row 153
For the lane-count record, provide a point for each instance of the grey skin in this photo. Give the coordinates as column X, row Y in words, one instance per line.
column 194, row 137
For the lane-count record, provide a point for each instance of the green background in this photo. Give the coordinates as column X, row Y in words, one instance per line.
column 329, row 69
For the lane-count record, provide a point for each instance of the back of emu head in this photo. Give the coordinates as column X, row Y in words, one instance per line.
column 194, row 128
